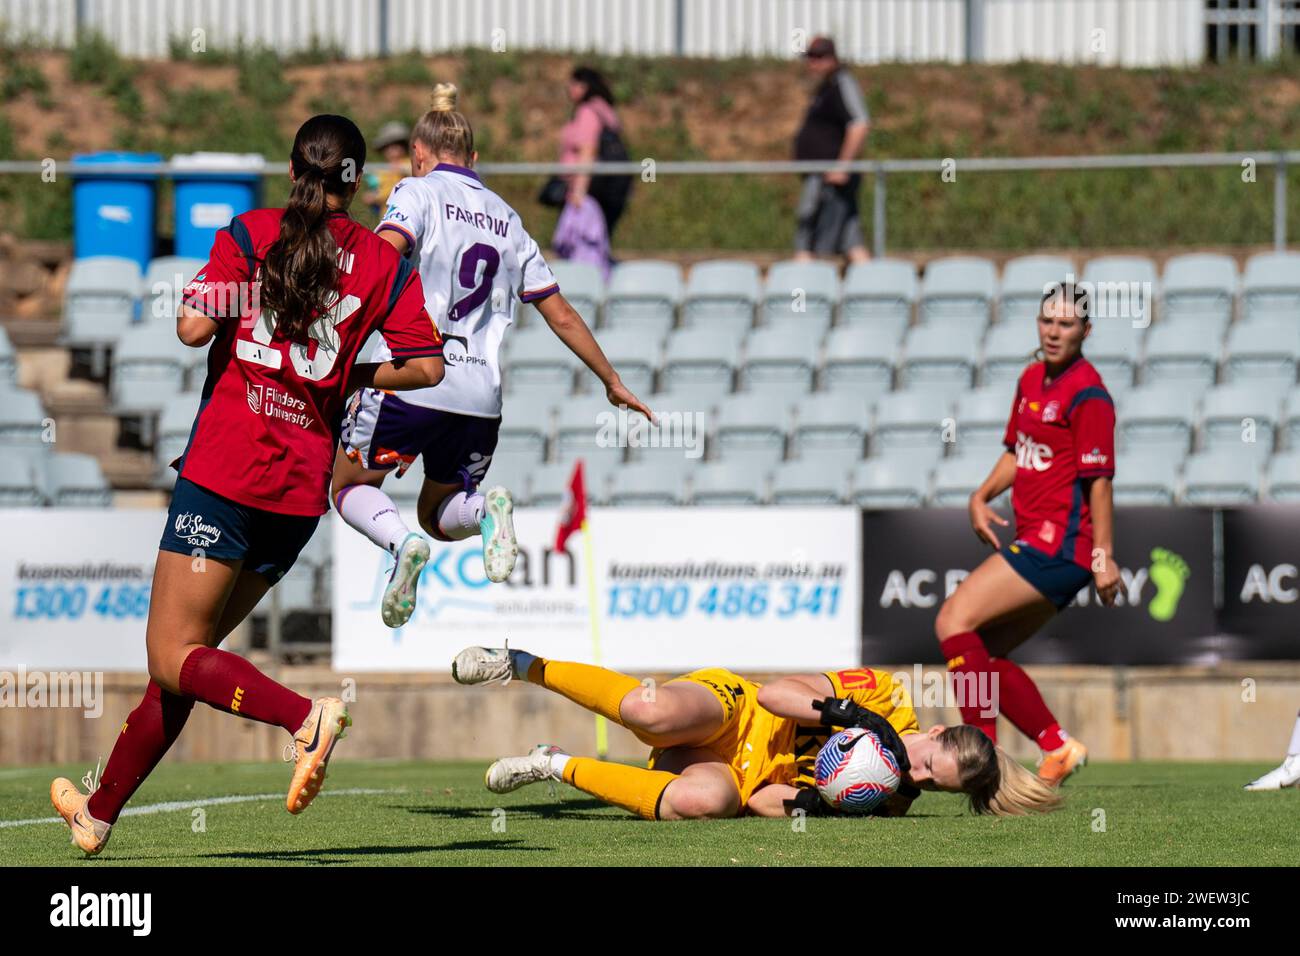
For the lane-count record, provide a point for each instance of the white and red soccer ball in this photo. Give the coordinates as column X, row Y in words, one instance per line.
column 855, row 773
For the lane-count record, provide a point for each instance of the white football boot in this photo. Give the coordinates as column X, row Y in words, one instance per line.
column 481, row 665
column 511, row 773
column 500, row 548
column 1287, row 775
column 399, row 597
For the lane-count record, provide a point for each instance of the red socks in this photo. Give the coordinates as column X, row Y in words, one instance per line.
column 228, row 682
column 147, row 734
column 968, row 661
column 1024, row 706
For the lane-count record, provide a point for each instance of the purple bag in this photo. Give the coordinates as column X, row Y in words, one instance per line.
column 581, row 236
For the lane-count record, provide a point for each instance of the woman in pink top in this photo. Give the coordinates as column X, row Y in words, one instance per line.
column 593, row 113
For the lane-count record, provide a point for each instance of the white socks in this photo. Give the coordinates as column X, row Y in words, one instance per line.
column 558, row 762
column 460, row 514
column 1294, row 747
column 373, row 513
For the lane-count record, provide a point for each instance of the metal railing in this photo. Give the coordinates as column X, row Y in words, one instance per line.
column 879, row 172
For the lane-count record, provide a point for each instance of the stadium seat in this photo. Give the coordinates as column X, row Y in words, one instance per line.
column 511, row 471
column 910, row 420
column 721, row 295
column 982, row 416
column 1232, row 414
column 859, row 359
column 582, row 286
column 1220, row 478
column 99, row 306
column 752, row 428
column 22, row 420
column 958, row 290
column 1290, row 422
column 635, row 353
column 879, row 294
column 899, row 481
column 643, row 293
column 76, row 481
column 684, row 407
column 1201, row 287
column 1113, row 347
column 1024, row 281
column 939, row 357
column 1122, row 290
column 823, row 424
column 549, row 484
column 21, row 479
column 801, row 295
column 149, row 365
column 1284, row 477
column 8, row 360
column 537, row 365
column 1183, row 351
column 1263, row 353
column 777, row 361
column 160, row 290
column 1156, row 418
column 728, row 483
column 1146, row 478
column 1270, row 287
column 175, row 422
column 809, row 483
column 703, row 359
column 657, row 479
column 526, row 427
column 1008, row 348
column 955, row 479
column 586, row 427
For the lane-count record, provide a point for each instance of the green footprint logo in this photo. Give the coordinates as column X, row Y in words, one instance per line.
column 1169, row 573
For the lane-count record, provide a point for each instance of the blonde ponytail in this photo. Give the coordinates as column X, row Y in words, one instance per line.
column 445, row 131
column 991, row 780
column 444, row 98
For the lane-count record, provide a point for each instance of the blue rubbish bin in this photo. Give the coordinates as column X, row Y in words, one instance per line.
column 211, row 189
column 113, row 213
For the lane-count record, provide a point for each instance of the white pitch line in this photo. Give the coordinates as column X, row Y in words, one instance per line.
column 171, row 806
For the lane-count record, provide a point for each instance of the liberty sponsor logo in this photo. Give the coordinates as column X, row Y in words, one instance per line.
column 1032, row 454
column 1094, row 457
column 130, row 910
column 195, row 530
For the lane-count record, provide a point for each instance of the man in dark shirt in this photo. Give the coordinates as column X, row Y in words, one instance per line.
column 834, row 128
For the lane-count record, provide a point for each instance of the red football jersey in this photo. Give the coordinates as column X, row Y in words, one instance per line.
column 268, row 423
column 1062, row 434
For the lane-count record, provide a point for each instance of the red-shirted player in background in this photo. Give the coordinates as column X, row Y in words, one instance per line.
column 254, row 478
column 1059, row 463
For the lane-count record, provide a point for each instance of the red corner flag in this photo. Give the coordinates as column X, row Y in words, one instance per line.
column 575, row 508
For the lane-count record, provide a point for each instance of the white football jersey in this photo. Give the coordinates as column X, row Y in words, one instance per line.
column 476, row 263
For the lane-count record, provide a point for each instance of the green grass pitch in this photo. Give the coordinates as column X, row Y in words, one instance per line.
column 432, row 814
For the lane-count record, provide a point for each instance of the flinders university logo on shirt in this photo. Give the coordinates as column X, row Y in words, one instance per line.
column 255, row 398
column 196, row 531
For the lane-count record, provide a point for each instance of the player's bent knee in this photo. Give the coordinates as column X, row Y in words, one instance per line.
column 650, row 717
column 695, row 801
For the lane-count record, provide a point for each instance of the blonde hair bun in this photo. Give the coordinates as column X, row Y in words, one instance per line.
column 444, row 98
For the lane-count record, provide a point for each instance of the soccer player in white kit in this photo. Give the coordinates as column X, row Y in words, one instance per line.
column 476, row 262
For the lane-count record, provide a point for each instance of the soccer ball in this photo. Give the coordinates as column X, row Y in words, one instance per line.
column 855, row 773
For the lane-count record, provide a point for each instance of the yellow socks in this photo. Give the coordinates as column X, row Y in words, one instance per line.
column 595, row 688
column 632, row 788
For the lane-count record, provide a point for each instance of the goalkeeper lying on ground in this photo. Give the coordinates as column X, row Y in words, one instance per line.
column 724, row 746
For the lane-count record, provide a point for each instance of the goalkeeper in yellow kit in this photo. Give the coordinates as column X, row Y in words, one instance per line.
column 723, row 745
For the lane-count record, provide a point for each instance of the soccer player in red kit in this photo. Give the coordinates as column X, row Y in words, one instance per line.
column 287, row 299
column 1059, row 462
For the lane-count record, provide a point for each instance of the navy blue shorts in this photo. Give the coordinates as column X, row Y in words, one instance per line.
column 203, row 521
column 1057, row 579
column 382, row 432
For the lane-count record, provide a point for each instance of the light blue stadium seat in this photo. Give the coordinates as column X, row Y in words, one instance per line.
column 537, row 365
column 801, row 295
column 174, row 424
column 1291, row 419
column 809, row 483
column 955, row 479
column 721, row 295
column 1183, row 351
column 823, row 423
column 643, row 292
column 1114, row 347
column 727, row 483
column 657, row 479
column 899, row 481
column 982, row 416
column 958, row 290
column 149, row 365
column 1157, row 418
column 1232, row 414
column 587, row 427
column 1270, row 288
column 1263, row 353
column 1008, row 348
column 160, row 290
column 1147, row 478
column 76, row 481
column 1284, row 477
column 22, row 479
column 636, row 353
column 582, row 286
column 1200, row 286
column 22, row 420
column 100, row 298
column 511, row 471
column 685, row 407
column 1123, row 290
column 701, row 358
column 550, row 483
column 860, row 360
column 879, row 294
column 1220, row 478
column 778, row 362
column 910, row 420
column 1025, row 279
column 526, row 428
column 8, row 360
column 940, row 357
column 752, row 428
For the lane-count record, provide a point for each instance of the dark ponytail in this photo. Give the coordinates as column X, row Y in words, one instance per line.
column 300, row 271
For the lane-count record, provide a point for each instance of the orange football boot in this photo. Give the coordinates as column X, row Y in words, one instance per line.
column 1061, row 762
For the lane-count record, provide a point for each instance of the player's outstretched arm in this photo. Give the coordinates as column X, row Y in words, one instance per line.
column 1105, row 571
column 194, row 328
column 567, row 324
column 397, row 376
column 793, row 696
